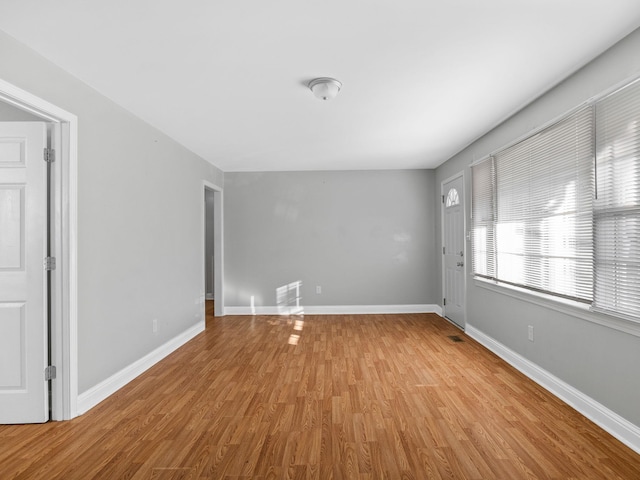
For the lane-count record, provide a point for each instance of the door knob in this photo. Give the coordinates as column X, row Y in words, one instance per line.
column 460, row 264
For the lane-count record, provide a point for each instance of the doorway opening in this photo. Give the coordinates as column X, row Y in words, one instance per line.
column 213, row 274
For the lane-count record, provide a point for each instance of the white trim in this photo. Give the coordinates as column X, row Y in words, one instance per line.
column 28, row 102
column 218, row 246
column 451, row 178
column 65, row 281
column 568, row 307
column 70, row 232
column 335, row 310
column 104, row 389
column 619, row 427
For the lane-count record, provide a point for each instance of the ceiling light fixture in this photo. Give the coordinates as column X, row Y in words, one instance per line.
column 325, row 88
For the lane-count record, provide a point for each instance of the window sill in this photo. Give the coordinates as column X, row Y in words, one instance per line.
column 568, row 307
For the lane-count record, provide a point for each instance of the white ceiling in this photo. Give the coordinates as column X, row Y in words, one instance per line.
column 227, row 78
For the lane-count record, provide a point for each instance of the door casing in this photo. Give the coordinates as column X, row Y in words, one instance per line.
column 64, row 281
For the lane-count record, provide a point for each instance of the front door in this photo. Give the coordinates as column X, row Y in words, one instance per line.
column 23, row 230
column 453, row 250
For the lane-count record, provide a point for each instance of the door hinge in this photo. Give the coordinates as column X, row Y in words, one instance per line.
column 443, row 250
column 50, row 263
column 442, row 198
column 444, row 302
column 49, row 373
column 49, row 155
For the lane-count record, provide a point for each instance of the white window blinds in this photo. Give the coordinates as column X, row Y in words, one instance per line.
column 533, row 211
column 482, row 213
column 617, row 207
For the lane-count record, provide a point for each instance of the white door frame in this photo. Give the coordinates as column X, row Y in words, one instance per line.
column 64, row 236
column 464, row 232
column 218, row 246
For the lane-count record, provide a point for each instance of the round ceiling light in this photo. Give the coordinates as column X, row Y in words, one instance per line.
column 325, row 88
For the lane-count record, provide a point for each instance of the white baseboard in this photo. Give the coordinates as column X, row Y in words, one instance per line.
column 208, row 296
column 333, row 310
column 101, row 391
column 619, row 427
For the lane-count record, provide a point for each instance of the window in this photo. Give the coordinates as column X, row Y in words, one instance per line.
column 483, row 252
column 453, row 198
column 533, row 211
column 546, row 217
column 617, row 206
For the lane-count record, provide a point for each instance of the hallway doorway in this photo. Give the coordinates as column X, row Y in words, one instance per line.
column 213, row 250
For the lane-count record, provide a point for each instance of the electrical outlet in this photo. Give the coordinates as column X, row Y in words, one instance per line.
column 318, row 289
column 530, row 333
column 155, row 325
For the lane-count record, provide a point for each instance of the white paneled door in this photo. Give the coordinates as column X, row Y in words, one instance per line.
column 23, row 230
column 453, row 251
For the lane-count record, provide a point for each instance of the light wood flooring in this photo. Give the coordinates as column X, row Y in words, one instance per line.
column 335, row 396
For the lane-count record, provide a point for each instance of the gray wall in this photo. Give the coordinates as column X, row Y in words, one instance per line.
column 140, row 221
column 365, row 237
column 597, row 360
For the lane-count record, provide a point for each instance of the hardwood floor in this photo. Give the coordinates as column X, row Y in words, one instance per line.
column 336, row 396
